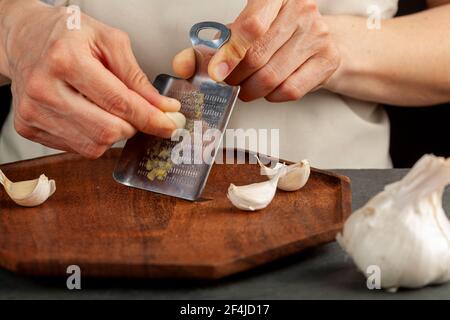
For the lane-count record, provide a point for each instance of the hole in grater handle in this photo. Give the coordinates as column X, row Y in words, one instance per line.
column 224, row 36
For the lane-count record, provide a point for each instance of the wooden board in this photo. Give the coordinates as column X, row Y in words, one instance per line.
column 110, row 230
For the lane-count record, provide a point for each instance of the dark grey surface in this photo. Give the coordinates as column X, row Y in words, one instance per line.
column 322, row 273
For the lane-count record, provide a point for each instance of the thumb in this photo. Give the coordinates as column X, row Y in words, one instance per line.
column 122, row 63
column 184, row 63
column 254, row 21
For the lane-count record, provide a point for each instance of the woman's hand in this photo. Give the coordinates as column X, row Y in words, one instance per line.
column 279, row 49
column 76, row 90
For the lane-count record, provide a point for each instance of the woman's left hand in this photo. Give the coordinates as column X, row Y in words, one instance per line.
column 279, row 49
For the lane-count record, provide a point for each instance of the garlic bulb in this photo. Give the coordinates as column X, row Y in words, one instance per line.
column 404, row 230
column 255, row 196
column 178, row 118
column 292, row 178
column 29, row 193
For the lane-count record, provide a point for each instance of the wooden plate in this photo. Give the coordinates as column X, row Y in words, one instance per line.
column 110, row 230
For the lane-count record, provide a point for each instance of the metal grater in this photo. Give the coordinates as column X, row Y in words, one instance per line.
column 146, row 160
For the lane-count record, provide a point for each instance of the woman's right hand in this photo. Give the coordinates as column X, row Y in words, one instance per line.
column 76, row 90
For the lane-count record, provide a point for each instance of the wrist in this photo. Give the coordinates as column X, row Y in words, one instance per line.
column 12, row 15
column 346, row 31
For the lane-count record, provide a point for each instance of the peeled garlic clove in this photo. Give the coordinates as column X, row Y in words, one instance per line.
column 255, row 196
column 178, row 118
column 29, row 193
column 404, row 230
column 292, row 178
column 295, row 177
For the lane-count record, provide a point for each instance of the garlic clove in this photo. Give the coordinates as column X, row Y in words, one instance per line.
column 292, row 178
column 268, row 171
column 255, row 196
column 29, row 193
column 295, row 177
column 404, row 230
column 178, row 118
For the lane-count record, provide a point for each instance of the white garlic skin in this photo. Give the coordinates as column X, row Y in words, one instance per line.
column 253, row 197
column 292, row 178
column 404, row 229
column 31, row 193
column 44, row 189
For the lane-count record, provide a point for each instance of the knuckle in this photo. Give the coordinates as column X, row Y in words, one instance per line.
column 245, row 97
column 309, row 5
column 24, row 131
column 236, row 50
column 34, row 86
column 93, row 151
column 120, row 37
column 322, row 29
column 26, row 113
column 107, row 136
column 116, row 104
column 139, row 78
column 290, row 92
column 268, row 77
column 255, row 58
column 254, row 26
column 57, row 56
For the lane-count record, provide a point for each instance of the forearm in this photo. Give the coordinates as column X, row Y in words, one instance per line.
column 406, row 63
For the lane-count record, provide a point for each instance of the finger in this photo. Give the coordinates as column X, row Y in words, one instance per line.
column 52, row 142
column 184, row 63
column 56, row 132
column 40, row 136
column 100, row 126
column 68, row 116
column 252, row 23
column 278, row 69
column 56, row 128
column 306, row 79
column 121, row 61
column 265, row 47
column 107, row 91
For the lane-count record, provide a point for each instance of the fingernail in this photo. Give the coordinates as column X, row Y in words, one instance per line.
column 221, row 71
column 173, row 103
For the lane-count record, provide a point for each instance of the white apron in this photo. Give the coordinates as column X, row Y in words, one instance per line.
column 329, row 130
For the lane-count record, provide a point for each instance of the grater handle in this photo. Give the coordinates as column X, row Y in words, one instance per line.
column 216, row 44
column 206, row 49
